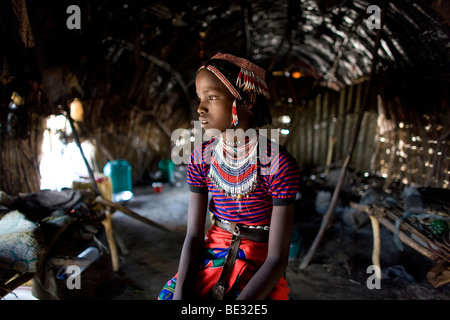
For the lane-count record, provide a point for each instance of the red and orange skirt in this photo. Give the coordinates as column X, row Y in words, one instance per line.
column 250, row 257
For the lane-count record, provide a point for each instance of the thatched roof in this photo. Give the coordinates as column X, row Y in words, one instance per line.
column 330, row 40
column 325, row 39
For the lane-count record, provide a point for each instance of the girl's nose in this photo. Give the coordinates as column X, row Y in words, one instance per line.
column 201, row 108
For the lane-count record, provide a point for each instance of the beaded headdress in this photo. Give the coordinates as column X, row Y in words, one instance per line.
column 251, row 78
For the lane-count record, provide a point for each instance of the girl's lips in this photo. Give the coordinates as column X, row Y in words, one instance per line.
column 203, row 122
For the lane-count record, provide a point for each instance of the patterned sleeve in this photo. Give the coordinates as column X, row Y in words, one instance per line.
column 196, row 177
column 285, row 179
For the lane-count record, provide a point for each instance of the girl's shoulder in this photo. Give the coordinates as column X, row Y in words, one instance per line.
column 275, row 151
column 202, row 152
column 205, row 144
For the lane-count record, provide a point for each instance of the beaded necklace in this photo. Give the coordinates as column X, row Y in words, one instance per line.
column 234, row 168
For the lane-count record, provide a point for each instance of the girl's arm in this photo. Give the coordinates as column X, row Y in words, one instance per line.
column 265, row 279
column 192, row 247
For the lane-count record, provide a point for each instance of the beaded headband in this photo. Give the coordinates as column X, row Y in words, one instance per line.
column 250, row 78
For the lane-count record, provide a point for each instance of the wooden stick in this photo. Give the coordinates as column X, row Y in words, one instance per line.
column 439, row 274
column 331, row 143
column 373, row 216
column 119, row 241
column 129, row 212
column 443, row 137
column 110, row 237
column 66, row 113
column 408, row 241
column 437, row 269
column 436, row 252
column 376, row 245
column 409, row 228
column 16, row 282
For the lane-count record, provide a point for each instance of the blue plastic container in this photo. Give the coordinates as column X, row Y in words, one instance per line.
column 168, row 169
column 296, row 245
column 121, row 175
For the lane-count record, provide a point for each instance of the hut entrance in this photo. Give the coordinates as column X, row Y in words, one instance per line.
column 61, row 161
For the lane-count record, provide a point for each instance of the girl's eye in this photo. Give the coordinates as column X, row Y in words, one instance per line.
column 212, row 98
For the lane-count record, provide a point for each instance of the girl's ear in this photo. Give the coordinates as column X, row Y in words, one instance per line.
column 250, row 102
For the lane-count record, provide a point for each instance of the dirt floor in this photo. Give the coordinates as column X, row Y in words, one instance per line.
column 338, row 270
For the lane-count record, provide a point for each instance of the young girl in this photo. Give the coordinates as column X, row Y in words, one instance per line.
column 252, row 182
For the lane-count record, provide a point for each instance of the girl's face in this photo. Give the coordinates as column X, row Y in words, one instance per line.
column 215, row 104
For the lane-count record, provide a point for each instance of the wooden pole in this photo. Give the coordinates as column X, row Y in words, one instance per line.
column 331, row 143
column 66, row 113
column 374, row 217
column 376, row 245
column 327, row 218
column 130, row 213
column 408, row 241
column 107, row 223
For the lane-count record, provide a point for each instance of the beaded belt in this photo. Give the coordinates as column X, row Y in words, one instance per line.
column 254, row 233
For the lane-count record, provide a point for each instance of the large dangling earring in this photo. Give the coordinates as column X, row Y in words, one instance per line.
column 234, row 113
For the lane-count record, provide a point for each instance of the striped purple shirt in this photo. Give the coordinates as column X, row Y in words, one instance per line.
column 278, row 182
